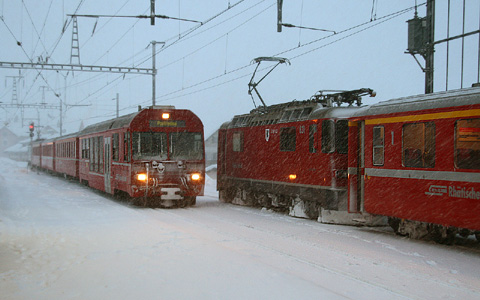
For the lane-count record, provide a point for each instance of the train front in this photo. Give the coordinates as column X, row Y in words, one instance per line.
column 168, row 157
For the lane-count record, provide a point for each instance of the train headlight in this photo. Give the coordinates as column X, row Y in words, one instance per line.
column 292, row 176
column 141, row 177
column 195, row 176
column 166, row 116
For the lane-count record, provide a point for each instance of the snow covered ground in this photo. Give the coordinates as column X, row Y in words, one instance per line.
column 60, row 240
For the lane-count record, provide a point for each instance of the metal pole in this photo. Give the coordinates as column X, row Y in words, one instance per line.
column 448, row 45
column 463, row 45
column 429, row 55
column 117, row 104
column 154, row 71
column 61, row 117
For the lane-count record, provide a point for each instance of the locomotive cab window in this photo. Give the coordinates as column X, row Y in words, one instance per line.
column 288, row 139
column 341, row 136
column 467, row 144
column 312, row 138
column 418, row 145
column 237, row 141
column 328, row 136
column 149, row 145
column 378, row 145
column 186, row 145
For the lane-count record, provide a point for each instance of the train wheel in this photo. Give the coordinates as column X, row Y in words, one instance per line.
column 262, row 199
column 225, row 196
column 442, row 235
column 191, row 201
column 395, row 224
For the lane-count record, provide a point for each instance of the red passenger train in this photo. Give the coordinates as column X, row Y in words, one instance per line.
column 414, row 160
column 156, row 156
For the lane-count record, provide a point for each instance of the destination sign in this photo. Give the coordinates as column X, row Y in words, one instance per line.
column 469, row 134
column 167, row 123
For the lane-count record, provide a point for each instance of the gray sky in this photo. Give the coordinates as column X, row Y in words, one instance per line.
column 208, row 70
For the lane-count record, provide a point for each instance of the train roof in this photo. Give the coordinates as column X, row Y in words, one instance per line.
column 462, row 97
column 109, row 124
column 289, row 112
column 319, row 106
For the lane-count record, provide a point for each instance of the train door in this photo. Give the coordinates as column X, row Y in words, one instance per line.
column 356, row 166
column 361, row 166
column 108, row 162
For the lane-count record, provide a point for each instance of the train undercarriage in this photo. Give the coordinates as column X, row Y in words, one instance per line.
column 427, row 231
column 322, row 204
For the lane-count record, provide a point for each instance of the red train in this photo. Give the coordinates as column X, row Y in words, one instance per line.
column 415, row 160
column 156, row 156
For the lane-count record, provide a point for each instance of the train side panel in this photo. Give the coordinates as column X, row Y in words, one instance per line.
column 419, row 165
column 66, row 156
column 420, row 177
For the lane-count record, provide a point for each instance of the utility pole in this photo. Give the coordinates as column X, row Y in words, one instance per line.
column 14, row 87
column 117, row 105
column 154, row 71
column 430, row 48
column 279, row 15
column 152, row 12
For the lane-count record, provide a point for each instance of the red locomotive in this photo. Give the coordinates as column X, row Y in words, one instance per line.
column 156, row 156
column 415, row 159
column 291, row 156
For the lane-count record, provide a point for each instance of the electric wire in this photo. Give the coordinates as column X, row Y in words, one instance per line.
column 377, row 22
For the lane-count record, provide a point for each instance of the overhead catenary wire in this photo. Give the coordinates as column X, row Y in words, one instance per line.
column 188, row 31
column 372, row 24
column 171, row 95
column 185, row 34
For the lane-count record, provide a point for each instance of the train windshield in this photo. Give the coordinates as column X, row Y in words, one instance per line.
column 186, row 145
column 149, row 145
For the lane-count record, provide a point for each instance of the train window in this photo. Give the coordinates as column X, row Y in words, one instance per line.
column 328, row 133
column 186, row 145
column 288, row 139
column 306, row 112
column 149, row 145
column 341, row 136
column 115, row 147
column 286, row 115
column 100, row 154
column 467, row 144
column 418, row 145
column 91, row 155
column 378, row 145
column 237, row 141
column 312, row 138
column 88, row 149
column 126, row 146
column 296, row 114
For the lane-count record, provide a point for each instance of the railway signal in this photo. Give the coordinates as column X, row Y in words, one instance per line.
column 31, row 127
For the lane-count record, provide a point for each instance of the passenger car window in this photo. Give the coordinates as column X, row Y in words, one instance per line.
column 378, row 145
column 418, row 145
column 467, row 144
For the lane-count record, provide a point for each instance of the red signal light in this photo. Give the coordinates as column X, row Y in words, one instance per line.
column 31, row 127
